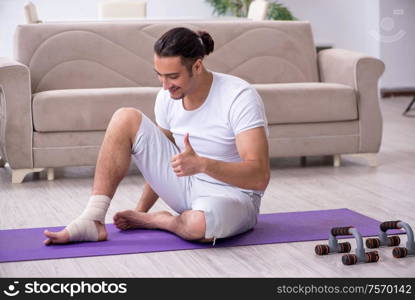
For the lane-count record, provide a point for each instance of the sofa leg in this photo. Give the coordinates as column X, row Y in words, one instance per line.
column 336, row 160
column 370, row 158
column 18, row 175
column 2, row 162
column 303, row 161
column 51, row 174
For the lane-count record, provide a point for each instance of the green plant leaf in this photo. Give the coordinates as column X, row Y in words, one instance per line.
column 277, row 11
column 240, row 8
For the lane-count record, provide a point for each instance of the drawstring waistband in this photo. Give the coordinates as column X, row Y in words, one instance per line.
column 214, row 241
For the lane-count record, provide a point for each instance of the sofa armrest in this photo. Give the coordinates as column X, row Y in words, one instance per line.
column 361, row 72
column 16, row 127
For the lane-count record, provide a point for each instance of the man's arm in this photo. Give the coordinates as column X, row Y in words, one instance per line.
column 147, row 200
column 149, row 197
column 253, row 172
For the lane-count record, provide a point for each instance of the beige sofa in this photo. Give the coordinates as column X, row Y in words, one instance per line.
column 67, row 80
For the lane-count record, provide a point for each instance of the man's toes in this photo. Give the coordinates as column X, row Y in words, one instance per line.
column 121, row 225
column 60, row 237
column 119, row 215
column 126, row 226
column 119, row 221
column 50, row 234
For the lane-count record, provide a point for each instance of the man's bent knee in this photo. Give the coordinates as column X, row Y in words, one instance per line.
column 127, row 114
column 129, row 119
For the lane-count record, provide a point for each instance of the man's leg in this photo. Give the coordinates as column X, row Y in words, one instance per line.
column 190, row 225
column 152, row 153
column 216, row 212
column 112, row 165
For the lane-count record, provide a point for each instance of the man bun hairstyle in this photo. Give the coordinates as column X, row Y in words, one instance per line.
column 186, row 43
column 207, row 41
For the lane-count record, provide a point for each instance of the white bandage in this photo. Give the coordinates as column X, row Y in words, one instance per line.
column 83, row 228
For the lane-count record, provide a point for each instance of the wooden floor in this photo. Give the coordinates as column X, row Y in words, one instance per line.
column 384, row 193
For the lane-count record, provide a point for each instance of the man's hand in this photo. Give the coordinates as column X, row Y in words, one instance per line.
column 188, row 162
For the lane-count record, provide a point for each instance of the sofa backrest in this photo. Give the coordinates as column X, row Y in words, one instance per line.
column 120, row 54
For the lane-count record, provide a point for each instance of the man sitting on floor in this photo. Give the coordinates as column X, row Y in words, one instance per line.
column 207, row 158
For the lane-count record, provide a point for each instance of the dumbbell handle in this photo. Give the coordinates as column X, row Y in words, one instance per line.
column 335, row 231
column 352, row 259
column 389, row 225
column 389, row 241
column 325, row 249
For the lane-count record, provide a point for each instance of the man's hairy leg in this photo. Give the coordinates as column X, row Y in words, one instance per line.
column 112, row 165
column 189, row 225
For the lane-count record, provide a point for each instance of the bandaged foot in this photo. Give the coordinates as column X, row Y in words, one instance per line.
column 89, row 226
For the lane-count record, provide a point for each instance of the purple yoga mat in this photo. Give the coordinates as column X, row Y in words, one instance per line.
column 27, row 244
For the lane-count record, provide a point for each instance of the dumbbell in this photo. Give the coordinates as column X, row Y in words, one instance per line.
column 368, row 257
column 383, row 239
column 361, row 256
column 409, row 250
column 348, row 259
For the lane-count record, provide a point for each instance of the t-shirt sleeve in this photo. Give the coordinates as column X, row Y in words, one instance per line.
column 247, row 112
column 160, row 111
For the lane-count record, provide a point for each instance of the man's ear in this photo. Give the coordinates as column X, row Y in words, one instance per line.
column 197, row 66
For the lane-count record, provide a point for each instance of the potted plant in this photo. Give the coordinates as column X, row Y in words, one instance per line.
column 239, row 8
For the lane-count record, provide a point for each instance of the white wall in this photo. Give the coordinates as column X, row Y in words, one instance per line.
column 11, row 13
column 351, row 24
column 179, row 9
column 397, row 42
column 341, row 23
column 381, row 28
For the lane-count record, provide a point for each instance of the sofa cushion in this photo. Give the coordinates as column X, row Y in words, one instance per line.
column 290, row 103
column 91, row 109
column 87, row 109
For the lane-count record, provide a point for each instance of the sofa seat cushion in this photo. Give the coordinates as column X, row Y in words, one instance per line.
column 87, row 109
column 289, row 103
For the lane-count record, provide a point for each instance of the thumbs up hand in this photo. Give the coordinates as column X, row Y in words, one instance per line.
column 187, row 162
column 187, row 146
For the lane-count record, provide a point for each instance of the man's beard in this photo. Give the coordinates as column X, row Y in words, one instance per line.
column 177, row 97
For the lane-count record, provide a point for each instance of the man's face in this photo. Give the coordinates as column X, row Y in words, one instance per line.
column 174, row 76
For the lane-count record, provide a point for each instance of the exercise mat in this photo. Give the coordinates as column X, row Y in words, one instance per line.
column 27, row 244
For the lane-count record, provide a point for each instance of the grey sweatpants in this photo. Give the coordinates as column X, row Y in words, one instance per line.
column 228, row 209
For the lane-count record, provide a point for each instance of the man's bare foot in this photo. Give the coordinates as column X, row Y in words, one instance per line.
column 132, row 219
column 62, row 237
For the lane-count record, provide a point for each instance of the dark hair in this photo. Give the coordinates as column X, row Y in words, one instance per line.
column 186, row 43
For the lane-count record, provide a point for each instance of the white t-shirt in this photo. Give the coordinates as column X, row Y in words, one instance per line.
column 232, row 106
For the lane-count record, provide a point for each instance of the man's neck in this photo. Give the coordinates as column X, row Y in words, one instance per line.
column 198, row 97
